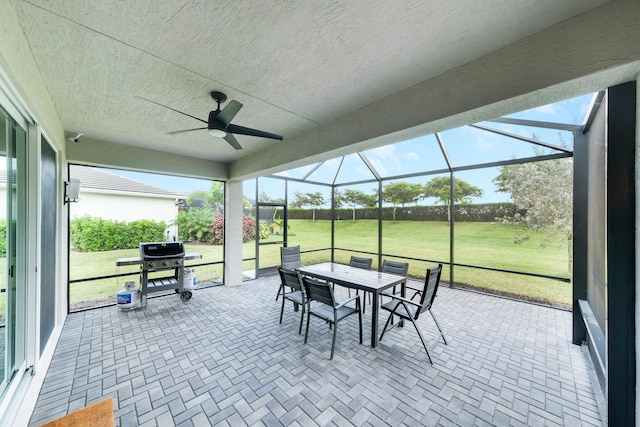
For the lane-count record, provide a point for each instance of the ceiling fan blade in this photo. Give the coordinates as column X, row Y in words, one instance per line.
column 172, row 109
column 233, row 141
column 175, row 132
column 241, row 130
column 228, row 112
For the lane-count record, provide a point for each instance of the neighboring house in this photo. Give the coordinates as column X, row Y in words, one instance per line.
column 110, row 196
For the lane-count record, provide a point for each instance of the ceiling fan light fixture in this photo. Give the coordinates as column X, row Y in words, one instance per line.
column 218, row 133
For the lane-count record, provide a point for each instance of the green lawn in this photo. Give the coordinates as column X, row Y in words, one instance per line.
column 484, row 244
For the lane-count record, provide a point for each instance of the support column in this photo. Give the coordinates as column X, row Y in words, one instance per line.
column 621, row 255
column 580, row 239
column 233, row 233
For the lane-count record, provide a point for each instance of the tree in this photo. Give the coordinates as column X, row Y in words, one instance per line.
column 401, row 193
column 215, row 197
column 314, row 200
column 542, row 193
column 440, row 188
column 355, row 198
column 197, row 199
column 337, row 199
column 263, row 197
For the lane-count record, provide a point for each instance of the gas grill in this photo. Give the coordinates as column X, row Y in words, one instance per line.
column 158, row 257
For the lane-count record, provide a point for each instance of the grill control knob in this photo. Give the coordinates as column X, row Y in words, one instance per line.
column 151, row 264
column 165, row 263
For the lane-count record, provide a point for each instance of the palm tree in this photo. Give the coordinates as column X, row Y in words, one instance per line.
column 196, row 223
column 215, row 198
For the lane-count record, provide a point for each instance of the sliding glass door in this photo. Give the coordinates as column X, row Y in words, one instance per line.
column 12, row 289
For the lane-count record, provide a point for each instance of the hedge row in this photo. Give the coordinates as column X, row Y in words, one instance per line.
column 97, row 234
column 486, row 212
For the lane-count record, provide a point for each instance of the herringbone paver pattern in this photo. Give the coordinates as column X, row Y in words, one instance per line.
column 223, row 359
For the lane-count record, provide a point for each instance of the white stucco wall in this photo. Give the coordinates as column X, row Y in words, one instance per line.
column 20, row 79
column 126, row 206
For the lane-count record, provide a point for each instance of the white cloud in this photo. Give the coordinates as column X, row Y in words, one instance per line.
column 483, row 144
column 379, row 166
column 383, row 159
column 384, row 152
column 546, row 109
column 412, row 155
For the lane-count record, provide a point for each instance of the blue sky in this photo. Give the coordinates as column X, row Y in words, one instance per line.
column 465, row 146
column 173, row 183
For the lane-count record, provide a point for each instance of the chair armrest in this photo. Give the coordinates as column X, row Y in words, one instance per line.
column 407, row 300
column 343, row 303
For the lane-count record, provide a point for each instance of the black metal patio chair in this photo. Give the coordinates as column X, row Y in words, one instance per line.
column 365, row 264
column 289, row 260
column 358, row 262
column 291, row 279
column 327, row 309
column 394, row 267
column 397, row 268
column 410, row 309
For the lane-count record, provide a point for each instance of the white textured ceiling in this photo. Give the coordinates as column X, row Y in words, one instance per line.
column 294, row 65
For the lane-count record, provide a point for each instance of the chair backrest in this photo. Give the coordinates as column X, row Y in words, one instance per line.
column 361, row 262
column 318, row 291
column 393, row 267
column 431, row 282
column 290, row 257
column 291, row 278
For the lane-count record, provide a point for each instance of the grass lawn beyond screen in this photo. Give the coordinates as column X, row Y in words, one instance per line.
column 481, row 244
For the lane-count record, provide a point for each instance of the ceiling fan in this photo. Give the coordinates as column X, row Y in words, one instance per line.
column 219, row 123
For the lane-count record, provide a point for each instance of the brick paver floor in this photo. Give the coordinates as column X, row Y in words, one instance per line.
column 222, row 358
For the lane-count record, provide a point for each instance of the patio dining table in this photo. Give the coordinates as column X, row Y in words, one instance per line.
column 357, row 278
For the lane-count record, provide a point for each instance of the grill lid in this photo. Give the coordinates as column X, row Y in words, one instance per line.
column 156, row 250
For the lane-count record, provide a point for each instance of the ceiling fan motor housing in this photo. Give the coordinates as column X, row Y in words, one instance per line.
column 219, row 97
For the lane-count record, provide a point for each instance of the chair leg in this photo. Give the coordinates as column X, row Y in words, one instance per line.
column 424, row 344
column 301, row 319
column 333, row 343
column 278, row 294
column 359, row 321
column 306, row 332
column 438, row 325
column 385, row 326
column 282, row 309
column 382, row 302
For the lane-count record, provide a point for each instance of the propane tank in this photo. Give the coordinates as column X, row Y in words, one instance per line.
column 189, row 281
column 129, row 297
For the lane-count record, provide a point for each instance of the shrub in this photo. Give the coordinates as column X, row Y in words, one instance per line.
column 265, row 231
column 195, row 224
column 217, row 234
column 248, row 228
column 97, row 234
